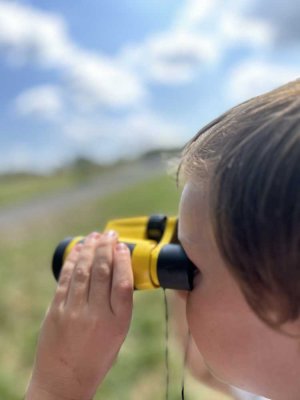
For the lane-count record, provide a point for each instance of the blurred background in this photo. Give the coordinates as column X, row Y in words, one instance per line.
column 95, row 96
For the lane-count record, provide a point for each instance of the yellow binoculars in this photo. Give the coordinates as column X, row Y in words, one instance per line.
column 158, row 259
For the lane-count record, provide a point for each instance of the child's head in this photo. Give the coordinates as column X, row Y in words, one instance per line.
column 241, row 208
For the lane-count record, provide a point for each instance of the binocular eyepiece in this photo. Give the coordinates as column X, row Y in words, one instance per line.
column 158, row 259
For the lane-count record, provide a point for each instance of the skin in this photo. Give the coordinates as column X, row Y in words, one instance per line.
column 89, row 317
column 86, row 323
column 194, row 360
column 237, row 347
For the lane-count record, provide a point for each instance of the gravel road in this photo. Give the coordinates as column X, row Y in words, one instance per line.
column 110, row 182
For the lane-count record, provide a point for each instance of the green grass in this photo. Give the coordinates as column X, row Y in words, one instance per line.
column 27, row 287
column 20, row 187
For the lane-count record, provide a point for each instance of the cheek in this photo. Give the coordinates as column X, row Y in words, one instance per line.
column 203, row 324
column 206, row 324
column 220, row 330
column 237, row 347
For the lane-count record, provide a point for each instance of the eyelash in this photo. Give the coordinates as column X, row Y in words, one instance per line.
column 197, row 271
column 198, row 268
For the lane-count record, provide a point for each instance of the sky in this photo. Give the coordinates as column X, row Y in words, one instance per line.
column 107, row 79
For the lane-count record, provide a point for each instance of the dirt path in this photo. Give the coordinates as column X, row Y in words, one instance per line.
column 13, row 216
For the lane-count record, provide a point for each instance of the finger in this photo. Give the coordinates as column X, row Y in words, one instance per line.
column 101, row 274
column 122, row 281
column 65, row 277
column 79, row 286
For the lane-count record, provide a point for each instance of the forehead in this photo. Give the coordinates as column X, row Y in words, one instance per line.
column 193, row 214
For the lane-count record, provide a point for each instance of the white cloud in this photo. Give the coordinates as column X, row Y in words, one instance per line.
column 28, row 35
column 41, row 101
column 253, row 77
column 146, row 130
column 282, row 15
column 25, row 157
column 193, row 12
column 204, row 37
column 200, row 36
column 172, row 57
column 225, row 25
column 103, row 139
column 235, row 29
column 31, row 35
column 98, row 80
column 107, row 139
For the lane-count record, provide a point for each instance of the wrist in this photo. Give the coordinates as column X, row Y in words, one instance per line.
column 35, row 392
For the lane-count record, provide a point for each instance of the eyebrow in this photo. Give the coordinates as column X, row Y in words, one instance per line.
column 186, row 241
column 188, row 246
column 179, row 237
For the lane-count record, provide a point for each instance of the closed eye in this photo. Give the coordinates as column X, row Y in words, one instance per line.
column 188, row 255
column 197, row 273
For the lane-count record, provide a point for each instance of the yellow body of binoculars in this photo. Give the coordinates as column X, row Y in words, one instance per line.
column 158, row 259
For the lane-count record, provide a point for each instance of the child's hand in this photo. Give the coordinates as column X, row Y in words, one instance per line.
column 87, row 322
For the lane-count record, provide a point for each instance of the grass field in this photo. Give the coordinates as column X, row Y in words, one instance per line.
column 19, row 187
column 27, row 287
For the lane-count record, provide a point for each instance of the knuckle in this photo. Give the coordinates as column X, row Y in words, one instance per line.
column 85, row 257
column 88, row 247
column 103, row 259
column 64, row 279
column 67, row 267
column 55, row 314
column 61, row 292
column 72, row 316
column 124, row 288
column 81, row 274
column 94, row 322
column 102, row 272
column 72, row 257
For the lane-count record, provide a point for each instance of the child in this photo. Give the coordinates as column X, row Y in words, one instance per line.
column 239, row 222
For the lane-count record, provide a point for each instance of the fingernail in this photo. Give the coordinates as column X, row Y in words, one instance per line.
column 121, row 247
column 77, row 246
column 110, row 234
column 94, row 235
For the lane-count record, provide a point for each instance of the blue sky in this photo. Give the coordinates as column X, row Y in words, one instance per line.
column 105, row 79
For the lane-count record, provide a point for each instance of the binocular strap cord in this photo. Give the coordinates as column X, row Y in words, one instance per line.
column 186, row 353
column 167, row 344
